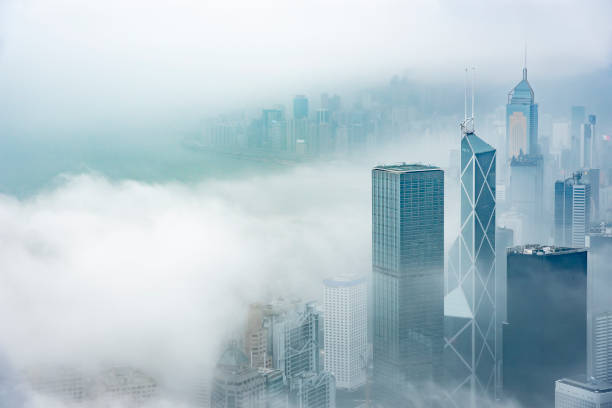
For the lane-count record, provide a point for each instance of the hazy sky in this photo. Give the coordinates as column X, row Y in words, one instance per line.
column 62, row 61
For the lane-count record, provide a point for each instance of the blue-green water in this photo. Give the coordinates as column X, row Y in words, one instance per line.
column 28, row 165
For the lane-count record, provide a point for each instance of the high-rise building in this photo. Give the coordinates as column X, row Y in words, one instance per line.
column 545, row 334
column 527, row 195
column 235, row 383
column 275, row 392
column 408, row 274
column 346, row 330
column 572, row 211
column 300, row 107
column 296, row 342
column 582, row 393
column 256, row 338
column 522, row 119
column 504, row 239
column 592, row 177
column 313, row 390
column 600, row 364
column 578, row 119
column 588, row 144
column 470, row 347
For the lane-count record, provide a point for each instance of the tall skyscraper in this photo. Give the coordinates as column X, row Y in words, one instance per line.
column 346, row 330
column 546, row 330
column 313, row 390
column 470, row 347
column 522, row 119
column 527, row 195
column 572, row 211
column 300, row 107
column 578, row 119
column 600, row 361
column 296, row 342
column 582, row 393
column 408, row 274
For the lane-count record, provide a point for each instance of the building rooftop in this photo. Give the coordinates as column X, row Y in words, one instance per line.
column 343, row 281
column 537, row 249
column 406, row 168
column 477, row 144
column 528, row 160
column 592, row 384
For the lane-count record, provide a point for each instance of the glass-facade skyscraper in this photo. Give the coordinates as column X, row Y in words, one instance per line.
column 408, row 275
column 522, row 119
column 572, row 211
column 470, row 337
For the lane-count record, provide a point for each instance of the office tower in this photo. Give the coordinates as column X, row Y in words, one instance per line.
column 599, row 319
column 235, row 384
column 582, row 393
column 273, row 128
column 545, row 333
column 296, row 342
column 408, row 275
column 592, row 177
column 313, row 390
column 275, row 391
column 527, row 195
column 62, row 383
column 504, row 239
column 600, row 356
column 125, row 385
column 578, row 119
column 300, row 107
column 522, row 119
column 256, row 337
column 470, row 343
column 589, row 144
column 346, row 330
column 572, row 211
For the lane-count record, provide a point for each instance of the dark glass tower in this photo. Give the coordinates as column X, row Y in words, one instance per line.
column 408, row 274
column 545, row 334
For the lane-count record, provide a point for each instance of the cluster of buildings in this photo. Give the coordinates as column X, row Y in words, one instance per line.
column 516, row 309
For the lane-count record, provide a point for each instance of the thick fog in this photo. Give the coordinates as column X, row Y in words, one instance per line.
column 65, row 62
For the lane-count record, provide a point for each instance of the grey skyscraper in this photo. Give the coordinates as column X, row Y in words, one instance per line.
column 546, row 330
column 300, row 107
column 470, row 342
column 408, row 274
column 578, row 119
column 572, row 211
column 527, row 195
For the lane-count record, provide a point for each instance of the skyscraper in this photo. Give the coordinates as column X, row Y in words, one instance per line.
column 600, row 364
column 408, row 274
column 522, row 119
column 545, row 334
column 578, row 119
column 572, row 211
column 470, row 348
column 526, row 195
column 296, row 342
column 235, row 383
column 300, row 107
column 346, row 331
column 582, row 393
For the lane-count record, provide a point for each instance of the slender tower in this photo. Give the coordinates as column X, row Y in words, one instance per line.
column 470, row 332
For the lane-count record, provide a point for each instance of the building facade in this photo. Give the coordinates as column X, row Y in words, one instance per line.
column 470, row 347
column 580, row 393
column 346, row 331
column 572, row 211
column 408, row 274
column 527, row 195
column 545, row 335
column 522, row 120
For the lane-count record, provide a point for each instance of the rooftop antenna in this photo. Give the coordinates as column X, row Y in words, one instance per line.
column 473, row 69
column 465, row 86
column 467, row 126
column 525, row 62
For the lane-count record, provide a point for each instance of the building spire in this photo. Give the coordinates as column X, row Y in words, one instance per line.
column 525, row 63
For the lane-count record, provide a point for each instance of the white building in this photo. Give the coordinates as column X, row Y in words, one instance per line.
column 345, row 331
column 601, row 343
column 572, row 393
